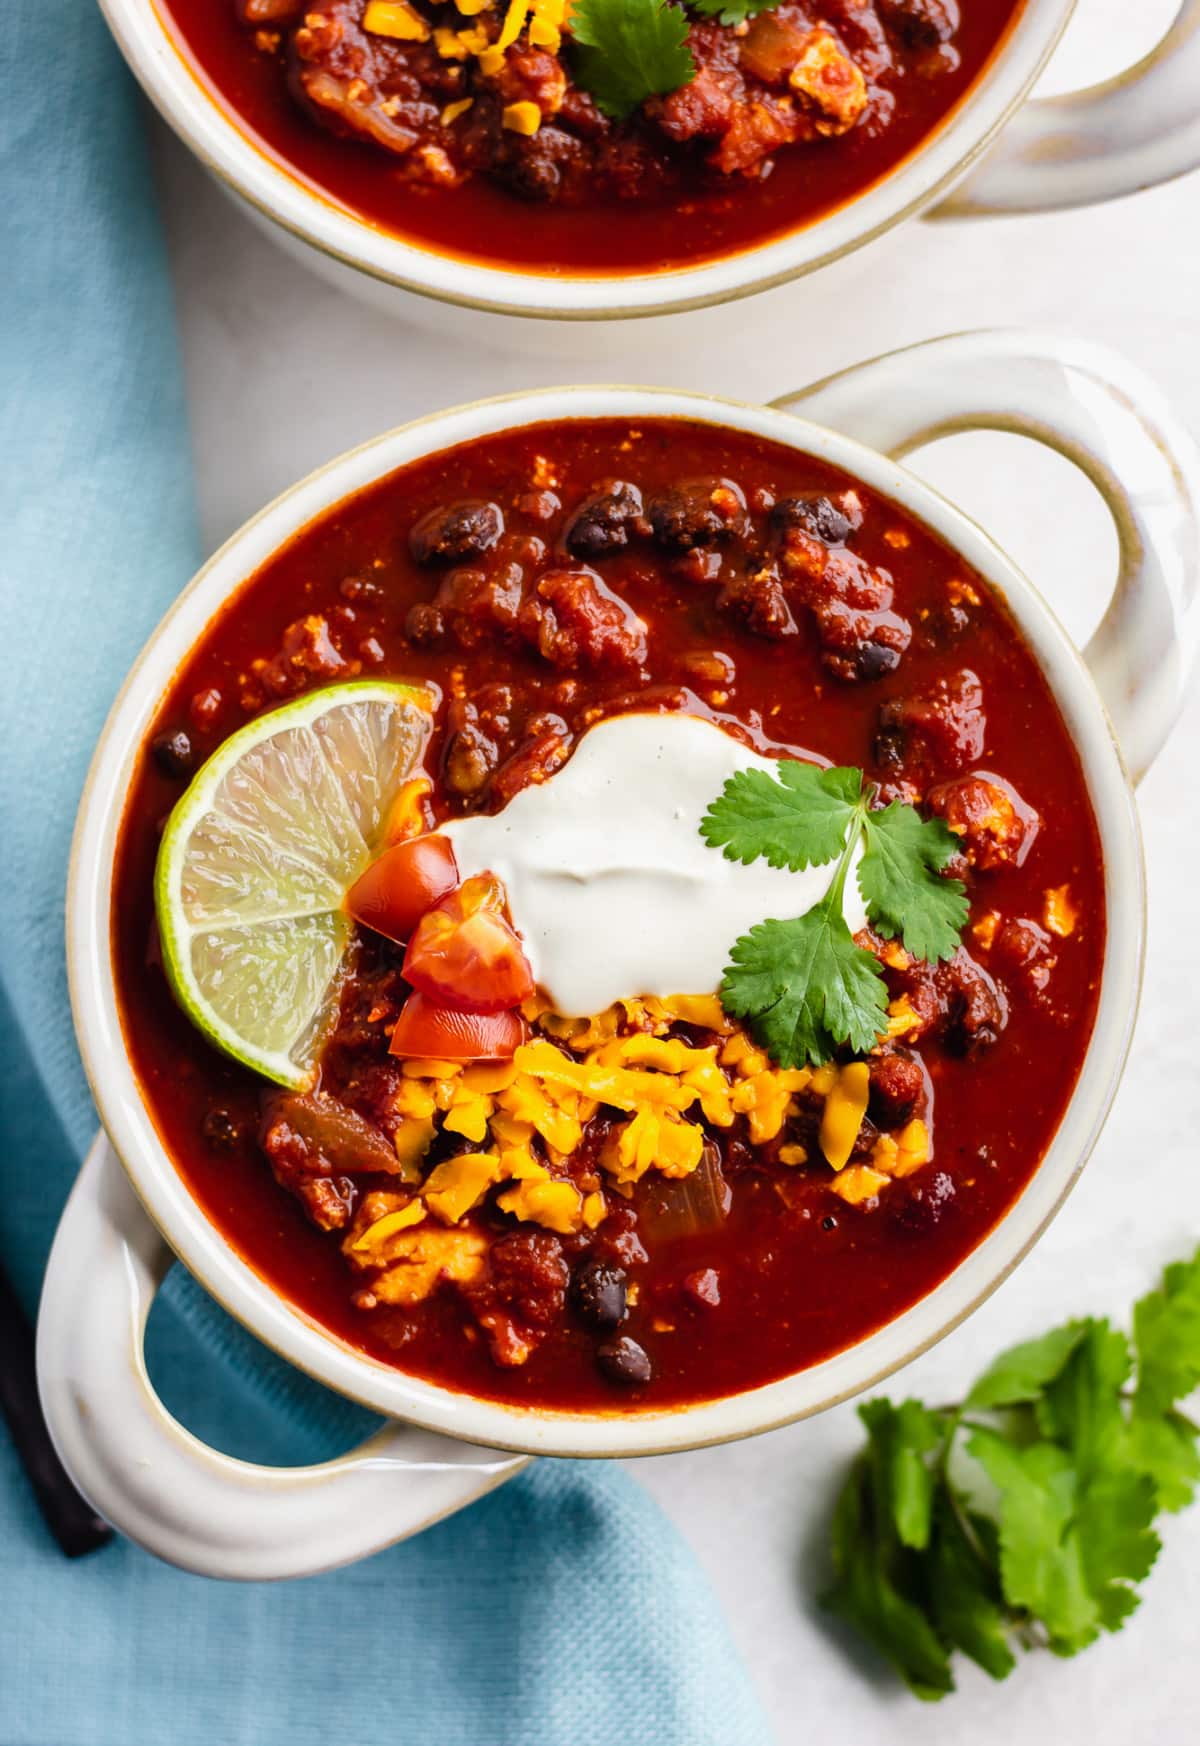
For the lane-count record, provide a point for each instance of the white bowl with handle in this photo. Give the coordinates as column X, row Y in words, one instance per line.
column 1138, row 129
column 131, row 1212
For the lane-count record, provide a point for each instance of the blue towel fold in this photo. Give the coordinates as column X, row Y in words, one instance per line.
column 562, row 1610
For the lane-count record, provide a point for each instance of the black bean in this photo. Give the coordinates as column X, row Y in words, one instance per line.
column 944, row 627
column 454, row 531
column 889, row 748
column 624, row 1362
column 220, row 1130
column 873, row 660
column 173, row 753
column 924, row 1208
column 604, row 521
column 598, row 1293
column 818, row 517
column 922, row 24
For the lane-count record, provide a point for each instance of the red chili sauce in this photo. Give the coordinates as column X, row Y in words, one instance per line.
column 810, row 615
column 789, row 116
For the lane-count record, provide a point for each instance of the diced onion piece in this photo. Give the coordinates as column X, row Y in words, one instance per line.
column 688, row 1206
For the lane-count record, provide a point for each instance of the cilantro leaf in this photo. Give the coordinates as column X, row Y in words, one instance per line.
column 966, row 1600
column 1021, row 1373
column 796, row 818
column 804, row 987
column 1166, row 1332
column 1164, row 1448
column 903, row 1439
column 1082, row 1407
column 1041, row 1561
column 900, row 880
column 1117, row 1543
column 874, row 1589
column 627, row 50
column 733, row 11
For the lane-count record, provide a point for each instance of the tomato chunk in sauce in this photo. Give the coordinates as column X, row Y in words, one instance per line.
column 576, row 1250
column 790, row 115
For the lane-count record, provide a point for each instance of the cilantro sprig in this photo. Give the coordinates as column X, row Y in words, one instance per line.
column 1025, row 1516
column 733, row 11
column 802, row 985
column 628, row 50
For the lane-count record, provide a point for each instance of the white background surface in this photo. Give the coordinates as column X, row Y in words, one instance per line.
column 284, row 373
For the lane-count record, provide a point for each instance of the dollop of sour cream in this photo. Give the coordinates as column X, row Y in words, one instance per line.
column 610, row 884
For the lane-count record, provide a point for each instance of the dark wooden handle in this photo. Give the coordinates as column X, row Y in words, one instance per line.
column 69, row 1517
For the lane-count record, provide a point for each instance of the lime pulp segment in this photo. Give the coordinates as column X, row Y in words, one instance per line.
column 258, row 856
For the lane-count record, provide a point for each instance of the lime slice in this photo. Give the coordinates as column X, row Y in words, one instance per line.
column 259, row 854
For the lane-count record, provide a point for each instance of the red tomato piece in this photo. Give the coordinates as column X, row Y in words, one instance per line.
column 465, row 952
column 407, row 879
column 446, row 1033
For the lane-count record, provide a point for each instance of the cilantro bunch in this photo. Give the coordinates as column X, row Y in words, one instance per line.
column 802, row 985
column 1023, row 1517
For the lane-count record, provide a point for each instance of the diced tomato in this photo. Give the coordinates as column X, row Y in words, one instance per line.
column 396, row 890
column 465, row 953
column 446, row 1033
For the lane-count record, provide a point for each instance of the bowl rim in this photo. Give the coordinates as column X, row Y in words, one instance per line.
column 301, row 1340
column 180, row 94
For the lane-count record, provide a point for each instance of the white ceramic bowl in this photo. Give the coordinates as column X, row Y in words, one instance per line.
column 162, row 1486
column 1126, row 134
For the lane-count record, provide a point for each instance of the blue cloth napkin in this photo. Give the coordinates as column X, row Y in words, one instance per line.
column 563, row 1610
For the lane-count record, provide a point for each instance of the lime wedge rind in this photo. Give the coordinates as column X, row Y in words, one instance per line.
column 258, row 855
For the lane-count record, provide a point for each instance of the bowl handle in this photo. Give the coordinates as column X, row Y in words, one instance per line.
column 1113, row 423
column 1131, row 132
column 163, row 1487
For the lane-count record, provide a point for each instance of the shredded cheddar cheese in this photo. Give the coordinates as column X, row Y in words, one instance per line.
column 859, row 1182
column 903, row 1019
column 524, row 1120
column 376, row 1235
column 545, row 27
column 844, row 1110
column 556, row 1205
column 395, row 18
column 912, row 1149
column 460, row 1183
column 514, row 23
column 524, row 117
column 653, row 1138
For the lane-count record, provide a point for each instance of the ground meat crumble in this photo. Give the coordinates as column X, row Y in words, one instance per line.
column 444, row 92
